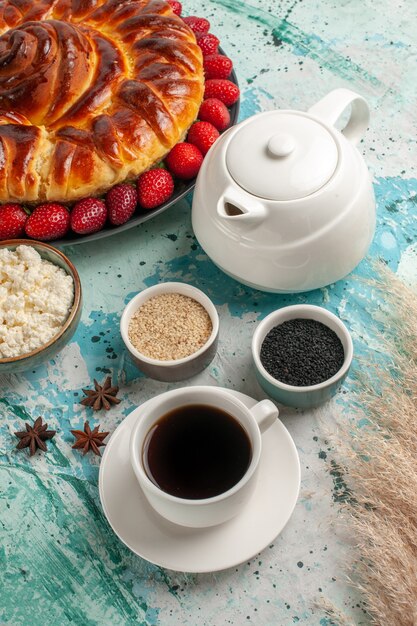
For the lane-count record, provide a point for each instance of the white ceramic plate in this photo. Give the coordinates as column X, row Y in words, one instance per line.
column 203, row 549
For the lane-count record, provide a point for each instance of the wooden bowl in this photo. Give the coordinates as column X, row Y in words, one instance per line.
column 34, row 358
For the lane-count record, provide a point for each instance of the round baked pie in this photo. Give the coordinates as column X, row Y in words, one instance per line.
column 92, row 93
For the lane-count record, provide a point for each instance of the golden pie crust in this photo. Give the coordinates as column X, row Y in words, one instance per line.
column 92, row 93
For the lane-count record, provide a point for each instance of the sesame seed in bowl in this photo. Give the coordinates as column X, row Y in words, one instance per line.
column 170, row 326
column 170, row 331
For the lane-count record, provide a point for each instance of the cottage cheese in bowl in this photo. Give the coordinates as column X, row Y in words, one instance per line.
column 36, row 297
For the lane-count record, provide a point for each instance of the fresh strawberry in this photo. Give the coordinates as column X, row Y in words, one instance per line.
column 12, row 221
column 214, row 111
column 197, row 24
column 176, row 6
column 184, row 160
column 88, row 216
column 208, row 43
column 217, row 66
column 223, row 89
column 154, row 187
column 121, row 203
column 48, row 221
column 203, row 135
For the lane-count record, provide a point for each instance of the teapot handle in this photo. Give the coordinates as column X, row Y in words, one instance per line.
column 331, row 107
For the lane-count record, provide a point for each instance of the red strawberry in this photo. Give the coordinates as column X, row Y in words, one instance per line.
column 88, row 216
column 208, row 43
column 184, row 160
column 197, row 24
column 217, row 66
column 121, row 203
column 48, row 221
column 154, row 187
column 223, row 89
column 203, row 135
column 214, row 111
column 176, row 6
column 12, row 221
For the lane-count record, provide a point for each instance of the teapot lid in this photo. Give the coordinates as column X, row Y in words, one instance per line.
column 282, row 156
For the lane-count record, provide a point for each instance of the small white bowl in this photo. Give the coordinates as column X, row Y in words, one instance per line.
column 291, row 395
column 178, row 369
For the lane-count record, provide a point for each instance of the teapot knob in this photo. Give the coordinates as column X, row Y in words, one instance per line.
column 281, row 145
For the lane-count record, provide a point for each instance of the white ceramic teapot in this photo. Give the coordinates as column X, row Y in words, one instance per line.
column 284, row 201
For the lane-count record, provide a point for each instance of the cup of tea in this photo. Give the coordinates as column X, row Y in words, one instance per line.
column 195, row 452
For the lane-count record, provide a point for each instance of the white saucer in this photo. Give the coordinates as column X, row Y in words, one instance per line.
column 202, row 549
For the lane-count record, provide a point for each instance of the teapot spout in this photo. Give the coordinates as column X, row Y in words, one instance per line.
column 232, row 206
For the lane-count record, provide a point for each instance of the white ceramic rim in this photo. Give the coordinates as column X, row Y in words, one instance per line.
column 268, row 524
column 169, row 287
column 214, row 392
column 298, row 311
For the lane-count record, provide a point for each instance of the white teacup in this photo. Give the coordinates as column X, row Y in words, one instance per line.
column 208, row 511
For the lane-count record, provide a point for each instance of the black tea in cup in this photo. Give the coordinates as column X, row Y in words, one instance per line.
column 196, row 451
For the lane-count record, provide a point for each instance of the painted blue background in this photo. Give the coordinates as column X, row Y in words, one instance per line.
column 60, row 562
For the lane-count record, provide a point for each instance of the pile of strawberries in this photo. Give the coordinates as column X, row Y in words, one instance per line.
column 51, row 220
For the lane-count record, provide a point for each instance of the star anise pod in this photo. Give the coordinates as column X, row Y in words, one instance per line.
column 34, row 437
column 101, row 396
column 88, row 439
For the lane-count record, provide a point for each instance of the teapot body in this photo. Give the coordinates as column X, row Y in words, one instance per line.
column 285, row 245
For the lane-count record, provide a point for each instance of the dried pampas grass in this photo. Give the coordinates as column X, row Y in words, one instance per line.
column 378, row 453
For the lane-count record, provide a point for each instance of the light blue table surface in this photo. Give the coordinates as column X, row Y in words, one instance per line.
column 61, row 564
